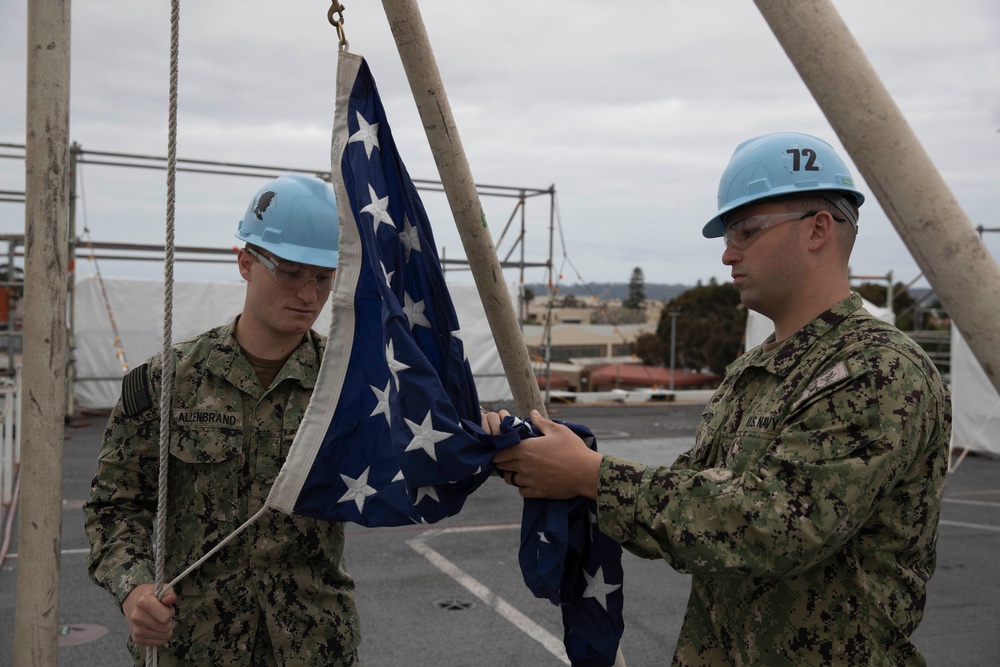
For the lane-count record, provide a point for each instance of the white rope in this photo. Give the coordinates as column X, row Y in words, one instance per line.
column 167, row 378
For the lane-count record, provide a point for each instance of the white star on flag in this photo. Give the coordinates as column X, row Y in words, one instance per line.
column 426, row 492
column 394, row 366
column 366, row 133
column 414, row 312
column 387, row 274
column 378, row 209
column 425, row 437
column 357, row 489
column 382, row 407
column 598, row 589
column 409, row 237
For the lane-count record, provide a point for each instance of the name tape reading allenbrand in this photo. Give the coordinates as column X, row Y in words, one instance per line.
column 205, row 417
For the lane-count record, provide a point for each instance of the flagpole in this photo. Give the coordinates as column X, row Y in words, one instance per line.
column 442, row 134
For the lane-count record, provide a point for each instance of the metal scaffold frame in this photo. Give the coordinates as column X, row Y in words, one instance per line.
column 513, row 258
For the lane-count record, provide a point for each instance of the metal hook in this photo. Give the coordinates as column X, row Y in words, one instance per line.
column 338, row 23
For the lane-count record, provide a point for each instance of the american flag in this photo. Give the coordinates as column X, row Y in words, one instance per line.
column 382, row 441
column 391, row 435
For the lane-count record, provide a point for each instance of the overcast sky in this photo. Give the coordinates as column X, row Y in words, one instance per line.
column 630, row 110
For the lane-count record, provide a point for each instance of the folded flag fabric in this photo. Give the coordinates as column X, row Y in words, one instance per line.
column 391, row 435
column 567, row 560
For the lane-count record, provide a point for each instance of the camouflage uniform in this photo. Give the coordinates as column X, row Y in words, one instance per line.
column 807, row 510
column 278, row 593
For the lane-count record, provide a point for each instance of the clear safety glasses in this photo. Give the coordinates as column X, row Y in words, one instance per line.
column 295, row 276
column 741, row 234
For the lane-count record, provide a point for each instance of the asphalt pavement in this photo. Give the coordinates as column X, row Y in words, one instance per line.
column 452, row 595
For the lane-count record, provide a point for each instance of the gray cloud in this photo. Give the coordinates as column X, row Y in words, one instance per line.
column 630, row 109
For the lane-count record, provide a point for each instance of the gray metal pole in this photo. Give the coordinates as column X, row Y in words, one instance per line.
column 673, row 343
column 935, row 229
column 552, row 279
column 36, row 618
column 442, row 134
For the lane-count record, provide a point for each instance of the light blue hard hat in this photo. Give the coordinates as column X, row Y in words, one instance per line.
column 295, row 218
column 779, row 165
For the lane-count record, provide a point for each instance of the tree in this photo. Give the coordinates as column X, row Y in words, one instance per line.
column 527, row 296
column 636, row 291
column 570, row 301
column 650, row 349
column 710, row 327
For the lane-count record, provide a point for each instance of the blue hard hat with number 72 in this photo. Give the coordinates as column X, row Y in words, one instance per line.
column 294, row 217
column 781, row 164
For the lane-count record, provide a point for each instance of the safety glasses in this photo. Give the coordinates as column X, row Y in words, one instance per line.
column 295, row 276
column 741, row 234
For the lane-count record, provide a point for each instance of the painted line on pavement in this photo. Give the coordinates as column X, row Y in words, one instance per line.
column 977, row 526
column 552, row 644
column 64, row 552
column 981, row 503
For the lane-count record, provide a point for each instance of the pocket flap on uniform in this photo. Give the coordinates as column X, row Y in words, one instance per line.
column 205, row 436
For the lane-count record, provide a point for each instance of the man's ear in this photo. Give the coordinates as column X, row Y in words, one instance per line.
column 245, row 261
column 821, row 230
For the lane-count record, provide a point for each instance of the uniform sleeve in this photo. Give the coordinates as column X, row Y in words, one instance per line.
column 122, row 505
column 817, row 482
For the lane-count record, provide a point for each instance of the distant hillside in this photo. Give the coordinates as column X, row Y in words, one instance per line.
column 610, row 291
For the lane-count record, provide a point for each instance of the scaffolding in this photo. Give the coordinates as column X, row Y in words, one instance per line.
column 514, row 231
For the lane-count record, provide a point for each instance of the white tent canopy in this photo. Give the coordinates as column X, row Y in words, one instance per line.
column 975, row 401
column 137, row 307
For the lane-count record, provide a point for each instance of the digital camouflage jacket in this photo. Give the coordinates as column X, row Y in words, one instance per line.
column 278, row 593
column 807, row 511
